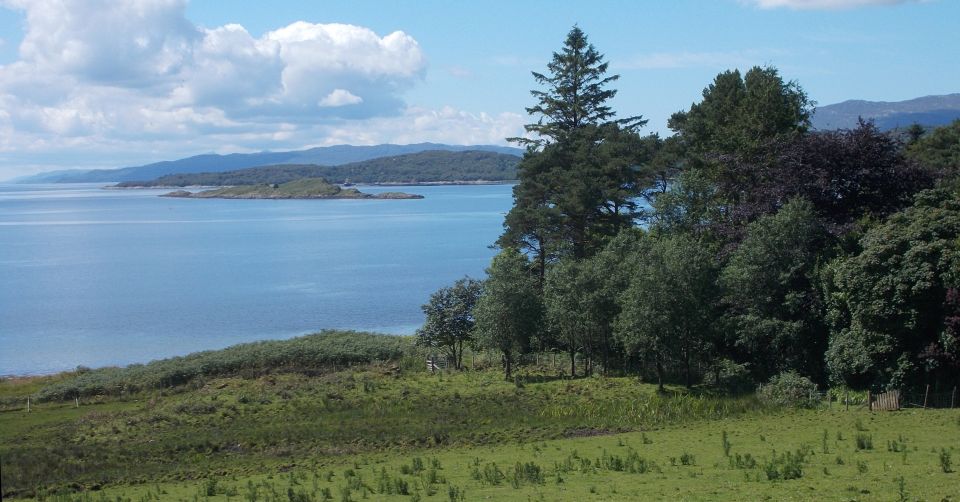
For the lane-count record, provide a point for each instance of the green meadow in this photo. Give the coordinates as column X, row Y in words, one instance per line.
column 392, row 431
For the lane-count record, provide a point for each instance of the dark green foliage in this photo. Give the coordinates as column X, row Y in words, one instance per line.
column 745, row 461
column 888, row 304
column 785, row 466
column 423, row 167
column 667, row 312
column 770, row 288
column 491, row 474
column 729, row 377
column 580, row 310
column 450, row 321
column 790, row 389
column 939, row 150
column 526, row 473
column 946, row 461
column 864, row 442
column 576, row 94
column 509, row 312
column 580, row 179
column 320, row 352
column 740, row 114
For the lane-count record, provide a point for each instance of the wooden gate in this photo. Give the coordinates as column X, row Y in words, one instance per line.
column 887, row 401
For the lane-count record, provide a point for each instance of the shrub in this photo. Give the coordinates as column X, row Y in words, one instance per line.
column 730, row 377
column 789, row 389
column 946, row 462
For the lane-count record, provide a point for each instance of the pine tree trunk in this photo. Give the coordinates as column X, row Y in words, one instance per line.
column 659, row 373
column 573, row 364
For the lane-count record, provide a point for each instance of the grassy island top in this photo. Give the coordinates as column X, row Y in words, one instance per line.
column 308, row 188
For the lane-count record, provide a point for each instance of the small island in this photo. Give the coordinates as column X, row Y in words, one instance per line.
column 308, row 188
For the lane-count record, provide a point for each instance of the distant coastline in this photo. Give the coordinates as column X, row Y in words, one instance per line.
column 384, row 184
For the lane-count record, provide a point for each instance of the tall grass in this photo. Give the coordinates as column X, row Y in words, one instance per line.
column 655, row 409
column 306, row 354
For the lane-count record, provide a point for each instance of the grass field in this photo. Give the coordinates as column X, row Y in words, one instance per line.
column 378, row 433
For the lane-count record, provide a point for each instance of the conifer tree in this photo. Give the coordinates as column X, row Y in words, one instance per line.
column 581, row 175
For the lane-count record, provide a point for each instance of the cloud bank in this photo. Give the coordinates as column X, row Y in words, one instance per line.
column 101, row 76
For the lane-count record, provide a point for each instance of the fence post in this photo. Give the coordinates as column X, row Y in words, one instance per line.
column 28, row 405
column 925, row 396
column 869, row 400
column 846, row 399
column 953, row 397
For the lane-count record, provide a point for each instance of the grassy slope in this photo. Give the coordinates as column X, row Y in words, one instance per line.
column 863, row 474
column 241, row 425
column 290, row 431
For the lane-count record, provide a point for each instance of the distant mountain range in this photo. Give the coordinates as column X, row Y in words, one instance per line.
column 928, row 111
column 326, row 156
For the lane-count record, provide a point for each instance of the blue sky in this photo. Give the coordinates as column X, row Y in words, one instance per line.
column 96, row 83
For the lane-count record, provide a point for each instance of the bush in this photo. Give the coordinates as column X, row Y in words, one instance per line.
column 730, row 377
column 789, row 389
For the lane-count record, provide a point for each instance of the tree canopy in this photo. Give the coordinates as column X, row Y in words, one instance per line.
column 450, row 321
column 582, row 174
column 508, row 314
column 891, row 302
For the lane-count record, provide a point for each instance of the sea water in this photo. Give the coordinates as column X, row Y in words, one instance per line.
column 94, row 277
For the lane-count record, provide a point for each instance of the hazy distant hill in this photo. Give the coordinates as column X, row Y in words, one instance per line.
column 421, row 167
column 928, row 111
column 329, row 156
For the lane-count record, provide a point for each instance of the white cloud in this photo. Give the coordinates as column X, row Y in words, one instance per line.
column 340, row 97
column 174, row 134
column 108, row 82
column 823, row 4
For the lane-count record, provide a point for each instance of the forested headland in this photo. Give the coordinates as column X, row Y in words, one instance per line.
column 745, row 247
column 434, row 166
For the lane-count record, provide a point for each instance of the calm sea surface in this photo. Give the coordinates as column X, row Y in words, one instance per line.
column 102, row 277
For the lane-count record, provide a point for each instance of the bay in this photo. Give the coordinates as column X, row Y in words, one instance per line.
column 100, row 277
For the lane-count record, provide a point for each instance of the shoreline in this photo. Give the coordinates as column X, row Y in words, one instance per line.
column 82, row 368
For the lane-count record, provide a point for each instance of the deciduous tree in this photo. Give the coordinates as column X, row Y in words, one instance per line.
column 509, row 312
column 450, row 321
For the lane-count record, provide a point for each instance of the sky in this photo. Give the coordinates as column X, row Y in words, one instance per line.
column 114, row 83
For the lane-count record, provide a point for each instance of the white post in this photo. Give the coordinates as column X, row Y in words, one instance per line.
column 28, row 405
column 78, row 401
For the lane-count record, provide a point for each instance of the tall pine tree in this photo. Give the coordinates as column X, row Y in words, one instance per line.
column 581, row 175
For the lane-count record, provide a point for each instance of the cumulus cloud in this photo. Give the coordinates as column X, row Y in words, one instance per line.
column 823, row 4
column 100, row 76
column 340, row 97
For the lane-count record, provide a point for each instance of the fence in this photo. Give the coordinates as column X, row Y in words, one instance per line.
column 436, row 364
column 897, row 399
